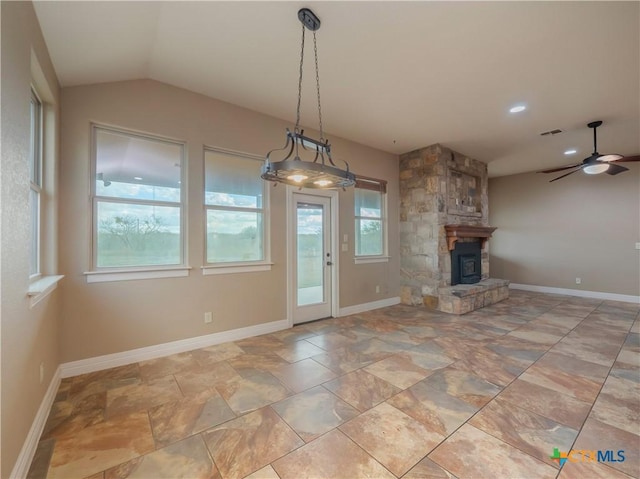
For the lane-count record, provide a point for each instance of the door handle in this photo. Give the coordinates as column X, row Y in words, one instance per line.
column 329, row 263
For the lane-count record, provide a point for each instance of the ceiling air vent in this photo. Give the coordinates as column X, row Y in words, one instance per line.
column 551, row 132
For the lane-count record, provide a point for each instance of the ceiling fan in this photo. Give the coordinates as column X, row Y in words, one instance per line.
column 596, row 163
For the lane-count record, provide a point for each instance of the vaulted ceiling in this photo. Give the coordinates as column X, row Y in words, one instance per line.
column 394, row 75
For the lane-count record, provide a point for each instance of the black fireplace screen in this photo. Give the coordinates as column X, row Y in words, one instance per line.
column 466, row 263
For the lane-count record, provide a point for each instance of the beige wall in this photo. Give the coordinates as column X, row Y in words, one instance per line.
column 102, row 318
column 29, row 336
column 581, row 226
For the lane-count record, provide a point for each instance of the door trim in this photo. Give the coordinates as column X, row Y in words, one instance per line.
column 333, row 221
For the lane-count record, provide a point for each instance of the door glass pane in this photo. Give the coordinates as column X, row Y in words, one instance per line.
column 310, row 254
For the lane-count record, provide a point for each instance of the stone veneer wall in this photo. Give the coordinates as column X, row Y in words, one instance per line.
column 438, row 186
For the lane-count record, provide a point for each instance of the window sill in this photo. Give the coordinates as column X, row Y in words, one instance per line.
column 135, row 274
column 41, row 288
column 370, row 259
column 235, row 268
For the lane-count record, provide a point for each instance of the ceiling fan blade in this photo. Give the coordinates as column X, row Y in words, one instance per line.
column 626, row 158
column 562, row 168
column 566, row 174
column 615, row 169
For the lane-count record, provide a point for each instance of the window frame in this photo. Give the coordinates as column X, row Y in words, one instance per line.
column 36, row 182
column 119, row 273
column 229, row 267
column 379, row 186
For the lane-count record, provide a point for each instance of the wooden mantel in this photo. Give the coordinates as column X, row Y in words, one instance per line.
column 455, row 232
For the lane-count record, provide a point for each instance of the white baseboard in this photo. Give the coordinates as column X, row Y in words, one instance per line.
column 21, row 467
column 98, row 363
column 626, row 298
column 361, row 308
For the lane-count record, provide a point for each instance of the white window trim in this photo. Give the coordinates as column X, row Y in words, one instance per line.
column 41, row 288
column 106, row 276
column 371, row 259
column 119, row 273
column 231, row 268
column 239, row 266
column 378, row 258
column 36, row 186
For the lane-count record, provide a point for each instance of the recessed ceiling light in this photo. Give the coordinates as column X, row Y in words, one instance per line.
column 571, row 152
column 517, row 109
column 137, row 178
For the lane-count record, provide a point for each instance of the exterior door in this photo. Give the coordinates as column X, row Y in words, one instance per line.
column 312, row 258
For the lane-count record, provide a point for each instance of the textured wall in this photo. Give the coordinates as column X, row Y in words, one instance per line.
column 29, row 336
column 581, row 226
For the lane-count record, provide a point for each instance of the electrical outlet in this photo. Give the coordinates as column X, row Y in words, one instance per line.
column 637, row 245
column 345, row 247
column 578, row 280
column 377, row 288
column 208, row 317
column 41, row 372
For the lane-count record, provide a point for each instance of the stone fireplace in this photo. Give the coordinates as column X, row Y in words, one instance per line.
column 443, row 232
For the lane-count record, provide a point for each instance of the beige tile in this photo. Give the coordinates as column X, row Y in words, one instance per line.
column 176, row 363
column 472, row 453
column 529, row 432
column 303, row 375
column 619, row 404
column 394, row 439
column 361, row 389
column 463, row 385
column 596, row 435
column 398, row 370
column 331, row 456
column 590, row 470
column 440, row 412
column 176, row 420
column 99, row 447
column 314, row 412
column 296, row 350
column 211, row 355
column 186, row 459
column 267, row 472
column 247, row 444
column 195, row 382
column 559, row 407
column 244, row 394
column 143, row 396
column 427, row 469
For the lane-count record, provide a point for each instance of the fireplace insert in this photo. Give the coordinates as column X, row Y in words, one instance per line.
column 466, row 263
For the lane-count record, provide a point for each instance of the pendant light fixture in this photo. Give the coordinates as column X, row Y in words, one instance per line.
column 321, row 172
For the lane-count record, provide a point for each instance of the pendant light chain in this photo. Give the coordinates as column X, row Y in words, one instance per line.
column 297, row 127
column 315, row 50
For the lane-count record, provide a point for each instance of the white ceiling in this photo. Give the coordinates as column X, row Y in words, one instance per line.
column 394, row 75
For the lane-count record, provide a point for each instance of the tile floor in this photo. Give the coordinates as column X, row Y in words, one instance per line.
column 397, row 392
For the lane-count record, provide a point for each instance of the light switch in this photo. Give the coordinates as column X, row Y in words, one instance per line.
column 345, row 247
column 345, row 239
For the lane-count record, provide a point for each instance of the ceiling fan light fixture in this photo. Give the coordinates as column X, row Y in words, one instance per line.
column 321, row 172
column 608, row 158
column 596, row 169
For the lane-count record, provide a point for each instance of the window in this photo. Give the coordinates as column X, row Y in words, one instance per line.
column 235, row 209
column 35, row 175
column 370, row 217
column 138, row 201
